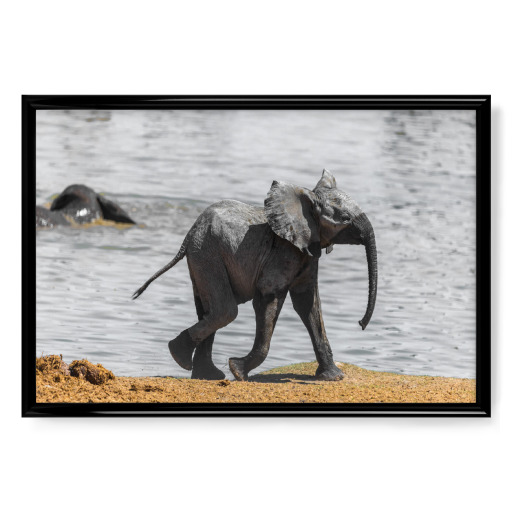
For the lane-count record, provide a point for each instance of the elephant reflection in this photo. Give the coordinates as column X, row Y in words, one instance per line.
column 79, row 204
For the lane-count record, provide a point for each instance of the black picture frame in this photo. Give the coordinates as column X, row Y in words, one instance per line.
column 481, row 104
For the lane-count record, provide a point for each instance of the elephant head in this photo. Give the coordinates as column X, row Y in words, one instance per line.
column 83, row 204
column 317, row 219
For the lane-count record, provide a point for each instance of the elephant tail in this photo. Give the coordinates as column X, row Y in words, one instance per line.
column 178, row 257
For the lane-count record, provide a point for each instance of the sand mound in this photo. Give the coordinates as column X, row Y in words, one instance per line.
column 52, row 366
column 93, row 373
column 55, row 369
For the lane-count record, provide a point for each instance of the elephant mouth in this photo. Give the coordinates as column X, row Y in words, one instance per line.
column 350, row 235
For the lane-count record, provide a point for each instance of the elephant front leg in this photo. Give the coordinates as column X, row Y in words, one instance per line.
column 267, row 309
column 306, row 302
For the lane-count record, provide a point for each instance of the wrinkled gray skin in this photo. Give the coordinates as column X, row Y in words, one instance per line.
column 236, row 252
column 79, row 204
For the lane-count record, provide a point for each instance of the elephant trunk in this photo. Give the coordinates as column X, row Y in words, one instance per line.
column 368, row 238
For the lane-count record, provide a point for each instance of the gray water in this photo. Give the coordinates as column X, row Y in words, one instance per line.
column 413, row 172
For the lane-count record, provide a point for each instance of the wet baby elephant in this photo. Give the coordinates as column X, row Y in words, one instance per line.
column 79, row 204
column 236, row 252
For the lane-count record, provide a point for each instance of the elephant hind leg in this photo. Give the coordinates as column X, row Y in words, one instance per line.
column 267, row 309
column 219, row 308
column 202, row 363
column 181, row 349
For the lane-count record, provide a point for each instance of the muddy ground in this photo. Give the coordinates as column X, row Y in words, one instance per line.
column 56, row 383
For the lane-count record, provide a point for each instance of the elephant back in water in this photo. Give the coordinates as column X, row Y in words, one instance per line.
column 47, row 219
column 79, row 204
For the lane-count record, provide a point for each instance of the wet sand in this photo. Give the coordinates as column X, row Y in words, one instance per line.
column 287, row 384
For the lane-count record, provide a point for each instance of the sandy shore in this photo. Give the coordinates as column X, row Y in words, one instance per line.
column 288, row 384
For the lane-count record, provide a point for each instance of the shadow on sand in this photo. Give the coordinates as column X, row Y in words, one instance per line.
column 284, row 377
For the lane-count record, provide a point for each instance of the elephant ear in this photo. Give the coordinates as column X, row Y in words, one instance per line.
column 75, row 197
column 112, row 211
column 63, row 200
column 326, row 181
column 291, row 213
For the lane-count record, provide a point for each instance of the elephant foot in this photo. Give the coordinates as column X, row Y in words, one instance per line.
column 210, row 372
column 237, row 367
column 181, row 349
column 330, row 373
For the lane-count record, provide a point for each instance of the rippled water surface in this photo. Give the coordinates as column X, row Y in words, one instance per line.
column 413, row 172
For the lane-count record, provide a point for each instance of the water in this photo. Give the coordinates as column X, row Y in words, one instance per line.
column 412, row 172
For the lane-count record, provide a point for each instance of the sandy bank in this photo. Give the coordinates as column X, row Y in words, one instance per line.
column 292, row 384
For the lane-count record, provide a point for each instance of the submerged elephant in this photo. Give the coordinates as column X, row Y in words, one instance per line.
column 236, row 252
column 79, row 204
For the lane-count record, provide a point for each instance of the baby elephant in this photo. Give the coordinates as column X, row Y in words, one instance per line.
column 236, row 252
